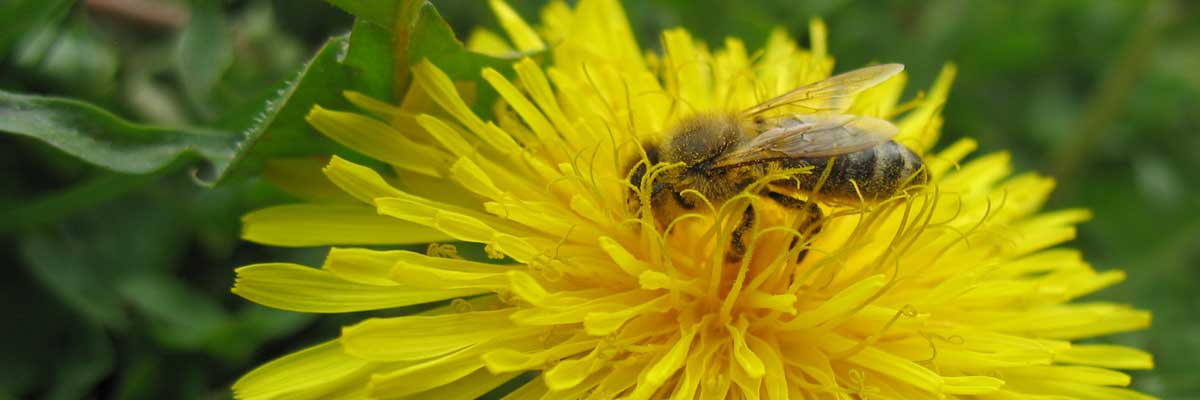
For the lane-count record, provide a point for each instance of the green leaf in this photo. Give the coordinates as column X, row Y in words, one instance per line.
column 101, row 138
column 363, row 61
column 370, row 60
column 251, row 327
column 379, row 12
column 280, row 129
column 50, row 351
column 17, row 17
column 142, row 375
column 419, row 32
column 86, row 360
column 203, row 54
column 75, row 58
column 60, row 267
column 181, row 317
column 83, row 261
column 432, row 38
column 55, row 206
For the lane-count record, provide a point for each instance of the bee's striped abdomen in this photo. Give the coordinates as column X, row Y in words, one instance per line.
column 879, row 172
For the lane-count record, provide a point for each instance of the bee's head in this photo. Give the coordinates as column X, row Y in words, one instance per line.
column 702, row 137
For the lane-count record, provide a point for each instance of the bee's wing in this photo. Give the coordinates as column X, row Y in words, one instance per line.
column 811, row 136
column 831, row 95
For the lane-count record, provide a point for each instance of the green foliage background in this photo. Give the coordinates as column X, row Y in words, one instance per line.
column 117, row 276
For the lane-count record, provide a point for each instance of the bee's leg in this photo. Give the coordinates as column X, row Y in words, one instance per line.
column 809, row 222
column 633, row 199
column 737, row 242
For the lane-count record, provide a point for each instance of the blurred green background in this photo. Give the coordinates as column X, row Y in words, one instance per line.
column 117, row 284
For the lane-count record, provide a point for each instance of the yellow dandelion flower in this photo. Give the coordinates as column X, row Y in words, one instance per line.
column 952, row 290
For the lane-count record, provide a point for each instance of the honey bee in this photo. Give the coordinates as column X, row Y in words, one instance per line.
column 824, row 155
